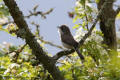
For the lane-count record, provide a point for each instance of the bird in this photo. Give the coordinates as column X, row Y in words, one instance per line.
column 68, row 41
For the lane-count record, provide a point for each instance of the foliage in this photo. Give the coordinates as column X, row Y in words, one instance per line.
column 3, row 11
column 24, row 68
column 85, row 13
column 108, row 70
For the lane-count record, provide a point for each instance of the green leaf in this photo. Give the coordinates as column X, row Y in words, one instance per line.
column 75, row 19
column 1, row 27
column 76, row 26
column 82, row 2
column 3, row 11
column 118, row 16
column 97, row 1
column 83, row 25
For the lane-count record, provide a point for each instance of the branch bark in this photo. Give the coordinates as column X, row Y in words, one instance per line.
column 25, row 33
column 107, row 24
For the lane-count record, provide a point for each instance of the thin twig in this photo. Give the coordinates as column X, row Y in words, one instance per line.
column 6, row 23
column 50, row 43
column 86, row 18
column 31, row 14
column 37, row 28
column 17, row 52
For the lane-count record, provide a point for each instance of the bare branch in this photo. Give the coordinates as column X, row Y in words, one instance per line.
column 81, row 42
column 86, row 18
column 19, row 50
column 39, row 13
column 86, row 21
column 6, row 23
column 62, row 53
column 48, row 12
column 51, row 44
column 37, row 28
column 35, row 8
column 43, row 14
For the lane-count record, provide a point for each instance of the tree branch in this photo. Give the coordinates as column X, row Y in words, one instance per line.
column 25, row 33
column 39, row 13
column 17, row 52
column 81, row 42
column 35, row 13
column 51, row 44
column 5, row 23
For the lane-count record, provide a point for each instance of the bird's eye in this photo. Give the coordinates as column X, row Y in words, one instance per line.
column 62, row 28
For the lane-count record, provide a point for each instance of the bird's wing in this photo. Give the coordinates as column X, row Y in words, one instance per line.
column 69, row 40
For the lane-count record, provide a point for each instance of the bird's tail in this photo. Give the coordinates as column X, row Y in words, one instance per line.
column 80, row 55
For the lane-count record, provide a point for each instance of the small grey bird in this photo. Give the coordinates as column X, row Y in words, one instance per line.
column 68, row 41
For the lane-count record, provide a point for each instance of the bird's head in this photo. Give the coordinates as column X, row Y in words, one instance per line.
column 63, row 29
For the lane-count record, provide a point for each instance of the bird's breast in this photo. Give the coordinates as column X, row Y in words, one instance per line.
column 67, row 46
